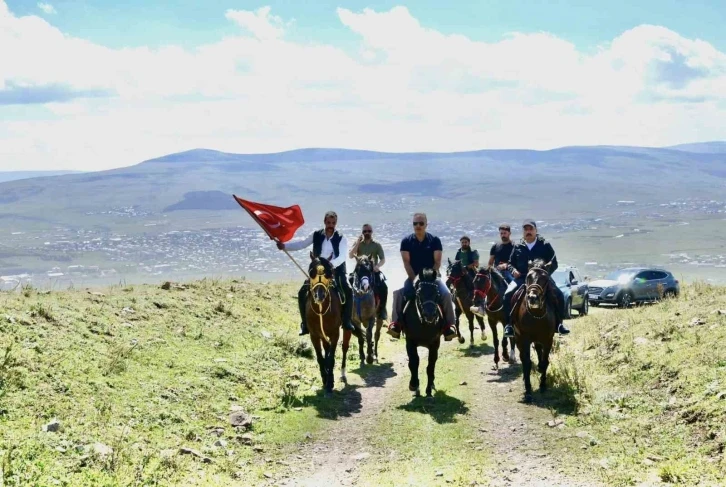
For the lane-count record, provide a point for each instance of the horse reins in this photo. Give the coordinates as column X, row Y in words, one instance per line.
column 542, row 299
column 483, row 294
column 419, row 302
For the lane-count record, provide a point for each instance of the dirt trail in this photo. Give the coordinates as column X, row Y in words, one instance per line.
column 334, row 461
column 527, row 452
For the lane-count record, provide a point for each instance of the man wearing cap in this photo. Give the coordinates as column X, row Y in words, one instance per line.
column 469, row 257
column 532, row 246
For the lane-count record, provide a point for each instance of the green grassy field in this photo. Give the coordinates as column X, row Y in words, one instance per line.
column 138, row 384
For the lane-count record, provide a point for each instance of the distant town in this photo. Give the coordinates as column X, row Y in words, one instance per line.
column 89, row 257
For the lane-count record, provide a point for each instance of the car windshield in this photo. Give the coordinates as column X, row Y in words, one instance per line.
column 560, row 277
column 620, row 276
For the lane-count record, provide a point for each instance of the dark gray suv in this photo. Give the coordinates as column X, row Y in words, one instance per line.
column 634, row 284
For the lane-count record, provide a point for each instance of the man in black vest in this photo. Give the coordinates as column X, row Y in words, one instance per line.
column 331, row 245
column 532, row 246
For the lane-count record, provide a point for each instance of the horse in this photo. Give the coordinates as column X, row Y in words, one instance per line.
column 423, row 320
column 534, row 323
column 323, row 313
column 365, row 309
column 487, row 283
column 462, row 294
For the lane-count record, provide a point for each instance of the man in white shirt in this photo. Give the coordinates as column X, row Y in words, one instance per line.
column 333, row 246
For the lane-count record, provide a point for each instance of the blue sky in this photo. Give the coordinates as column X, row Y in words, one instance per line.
column 94, row 85
column 193, row 22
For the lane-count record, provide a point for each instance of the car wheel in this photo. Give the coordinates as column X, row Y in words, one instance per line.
column 585, row 308
column 626, row 299
column 568, row 309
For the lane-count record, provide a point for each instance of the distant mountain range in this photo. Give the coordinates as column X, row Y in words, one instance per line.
column 198, row 184
column 15, row 175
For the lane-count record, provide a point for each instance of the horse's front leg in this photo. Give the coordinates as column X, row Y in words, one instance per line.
column 470, row 317
column 412, row 352
column 346, row 345
column 330, row 364
column 495, row 338
column 525, row 349
column 361, row 347
column 431, row 368
column 320, row 358
column 369, row 340
column 482, row 326
column 543, row 365
column 379, row 324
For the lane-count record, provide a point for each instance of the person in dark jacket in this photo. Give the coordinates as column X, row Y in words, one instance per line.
column 333, row 246
column 532, row 246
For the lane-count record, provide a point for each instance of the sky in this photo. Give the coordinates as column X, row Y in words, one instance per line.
column 93, row 85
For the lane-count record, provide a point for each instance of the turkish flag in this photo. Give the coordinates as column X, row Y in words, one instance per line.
column 279, row 223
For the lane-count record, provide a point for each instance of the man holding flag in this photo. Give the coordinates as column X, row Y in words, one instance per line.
column 331, row 245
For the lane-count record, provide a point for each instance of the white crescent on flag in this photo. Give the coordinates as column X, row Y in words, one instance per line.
column 270, row 220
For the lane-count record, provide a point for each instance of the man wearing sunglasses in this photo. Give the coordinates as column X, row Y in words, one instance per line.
column 419, row 251
column 366, row 245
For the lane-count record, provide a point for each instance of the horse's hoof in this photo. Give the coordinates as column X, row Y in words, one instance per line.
column 417, row 393
column 527, row 397
column 429, row 397
column 412, row 388
column 369, row 359
column 461, row 339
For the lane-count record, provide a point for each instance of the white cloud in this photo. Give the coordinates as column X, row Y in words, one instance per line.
column 47, row 8
column 406, row 88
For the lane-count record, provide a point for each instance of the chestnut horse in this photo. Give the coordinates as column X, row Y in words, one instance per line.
column 487, row 285
column 462, row 294
column 323, row 314
column 535, row 323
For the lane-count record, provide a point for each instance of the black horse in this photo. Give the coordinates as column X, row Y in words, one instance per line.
column 423, row 320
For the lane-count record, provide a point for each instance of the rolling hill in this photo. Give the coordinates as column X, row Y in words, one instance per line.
column 198, row 183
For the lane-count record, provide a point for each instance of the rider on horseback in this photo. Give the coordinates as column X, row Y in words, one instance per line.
column 500, row 252
column 533, row 246
column 366, row 245
column 469, row 257
column 333, row 246
column 419, row 251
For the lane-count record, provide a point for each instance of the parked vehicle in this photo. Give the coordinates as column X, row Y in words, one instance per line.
column 575, row 289
column 634, row 284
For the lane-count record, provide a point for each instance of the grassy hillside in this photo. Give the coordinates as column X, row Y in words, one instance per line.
column 650, row 387
column 137, row 384
column 134, row 376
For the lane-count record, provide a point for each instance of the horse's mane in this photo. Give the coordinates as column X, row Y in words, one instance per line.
column 428, row 275
column 538, row 264
column 324, row 262
column 497, row 278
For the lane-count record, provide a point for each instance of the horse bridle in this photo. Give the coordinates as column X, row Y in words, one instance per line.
column 420, row 304
column 320, row 280
column 483, row 294
column 541, row 295
column 357, row 280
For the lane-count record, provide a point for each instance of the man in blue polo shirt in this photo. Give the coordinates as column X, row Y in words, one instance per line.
column 419, row 251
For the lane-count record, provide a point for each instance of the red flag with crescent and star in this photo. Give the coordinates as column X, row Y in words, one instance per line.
column 279, row 223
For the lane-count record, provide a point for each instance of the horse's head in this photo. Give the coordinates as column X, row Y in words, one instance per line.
column 363, row 273
column 427, row 297
column 321, row 275
column 455, row 270
column 537, row 280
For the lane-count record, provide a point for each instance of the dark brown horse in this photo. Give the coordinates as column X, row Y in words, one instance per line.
column 323, row 314
column 423, row 319
column 462, row 294
column 535, row 323
column 487, row 285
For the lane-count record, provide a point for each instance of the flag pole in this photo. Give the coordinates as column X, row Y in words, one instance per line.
column 276, row 240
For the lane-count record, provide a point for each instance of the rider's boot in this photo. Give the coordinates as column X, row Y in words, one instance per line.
column 394, row 329
column 508, row 331
column 562, row 330
column 449, row 333
column 303, row 329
